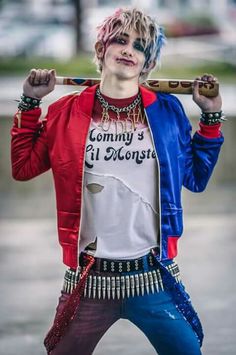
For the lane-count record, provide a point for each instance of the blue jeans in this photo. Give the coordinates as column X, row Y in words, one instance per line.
column 155, row 314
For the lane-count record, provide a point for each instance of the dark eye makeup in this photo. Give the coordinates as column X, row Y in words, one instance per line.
column 138, row 46
column 121, row 40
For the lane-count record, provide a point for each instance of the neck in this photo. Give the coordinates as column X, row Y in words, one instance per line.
column 118, row 89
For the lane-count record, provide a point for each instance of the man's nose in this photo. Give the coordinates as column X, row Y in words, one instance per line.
column 127, row 51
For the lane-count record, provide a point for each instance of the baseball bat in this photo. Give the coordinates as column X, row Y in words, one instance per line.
column 174, row 86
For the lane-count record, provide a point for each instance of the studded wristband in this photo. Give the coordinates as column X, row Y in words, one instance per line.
column 212, row 118
column 28, row 103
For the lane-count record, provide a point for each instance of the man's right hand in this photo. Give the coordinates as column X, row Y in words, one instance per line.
column 39, row 83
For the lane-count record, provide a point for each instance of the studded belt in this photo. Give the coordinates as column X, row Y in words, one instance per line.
column 118, row 266
column 105, row 285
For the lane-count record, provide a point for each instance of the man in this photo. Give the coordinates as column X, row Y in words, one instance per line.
column 120, row 155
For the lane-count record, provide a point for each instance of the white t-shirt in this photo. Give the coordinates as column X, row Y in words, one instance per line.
column 120, row 195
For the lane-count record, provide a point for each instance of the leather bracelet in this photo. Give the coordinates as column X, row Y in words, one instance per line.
column 28, row 103
column 212, row 118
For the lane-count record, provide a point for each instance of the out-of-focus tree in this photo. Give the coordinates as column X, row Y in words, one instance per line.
column 77, row 24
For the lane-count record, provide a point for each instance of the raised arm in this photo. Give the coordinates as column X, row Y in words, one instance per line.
column 29, row 152
column 203, row 149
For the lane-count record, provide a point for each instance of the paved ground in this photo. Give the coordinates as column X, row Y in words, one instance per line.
column 31, row 276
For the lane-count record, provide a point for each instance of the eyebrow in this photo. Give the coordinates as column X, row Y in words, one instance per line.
column 137, row 39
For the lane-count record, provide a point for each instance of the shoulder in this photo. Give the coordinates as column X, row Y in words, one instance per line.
column 173, row 109
column 64, row 101
column 171, row 101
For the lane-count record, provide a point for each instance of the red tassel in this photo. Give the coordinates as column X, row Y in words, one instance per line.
column 63, row 319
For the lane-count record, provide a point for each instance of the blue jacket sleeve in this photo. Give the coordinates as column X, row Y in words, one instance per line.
column 201, row 155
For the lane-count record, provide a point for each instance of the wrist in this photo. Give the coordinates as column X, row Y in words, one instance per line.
column 31, row 95
column 28, row 103
column 212, row 118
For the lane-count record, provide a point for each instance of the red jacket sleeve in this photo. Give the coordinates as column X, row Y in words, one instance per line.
column 29, row 151
column 210, row 131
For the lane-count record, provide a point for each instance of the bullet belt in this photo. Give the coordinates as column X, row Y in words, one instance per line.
column 116, row 286
column 118, row 266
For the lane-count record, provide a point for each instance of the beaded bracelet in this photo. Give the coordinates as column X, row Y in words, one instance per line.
column 211, row 118
column 28, row 103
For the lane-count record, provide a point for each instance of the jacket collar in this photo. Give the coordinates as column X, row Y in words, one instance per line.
column 148, row 96
column 87, row 98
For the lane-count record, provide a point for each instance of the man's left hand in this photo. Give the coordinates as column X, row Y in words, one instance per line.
column 206, row 104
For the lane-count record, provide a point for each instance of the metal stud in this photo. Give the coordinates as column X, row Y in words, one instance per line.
column 113, row 287
column 94, row 285
column 160, row 279
column 108, row 287
column 120, row 267
column 141, row 279
column 155, row 280
column 150, row 260
column 146, row 282
column 103, row 287
column 118, row 286
column 99, row 279
column 65, row 285
column 151, row 281
column 122, row 284
column 127, row 285
column 71, row 284
column 132, row 284
column 105, row 265
column 112, row 266
column 136, row 283
column 72, row 281
column 89, row 286
column 85, row 287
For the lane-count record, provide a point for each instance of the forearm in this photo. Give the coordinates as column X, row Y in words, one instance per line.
column 29, row 153
column 201, row 157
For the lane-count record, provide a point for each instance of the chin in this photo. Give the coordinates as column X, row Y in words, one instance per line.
column 126, row 75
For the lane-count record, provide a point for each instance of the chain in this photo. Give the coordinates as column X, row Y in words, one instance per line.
column 115, row 109
column 125, row 125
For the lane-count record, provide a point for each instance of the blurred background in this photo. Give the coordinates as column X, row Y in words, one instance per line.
column 60, row 34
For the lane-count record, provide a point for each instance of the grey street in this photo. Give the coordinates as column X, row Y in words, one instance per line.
column 32, row 273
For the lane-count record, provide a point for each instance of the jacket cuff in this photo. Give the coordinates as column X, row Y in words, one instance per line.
column 27, row 119
column 209, row 131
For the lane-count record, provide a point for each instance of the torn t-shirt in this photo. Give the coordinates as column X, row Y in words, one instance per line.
column 120, row 197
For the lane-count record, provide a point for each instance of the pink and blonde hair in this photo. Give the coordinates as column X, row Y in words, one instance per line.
column 132, row 19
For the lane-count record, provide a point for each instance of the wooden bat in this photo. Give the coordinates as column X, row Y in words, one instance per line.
column 174, row 86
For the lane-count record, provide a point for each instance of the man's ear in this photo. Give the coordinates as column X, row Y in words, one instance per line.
column 99, row 49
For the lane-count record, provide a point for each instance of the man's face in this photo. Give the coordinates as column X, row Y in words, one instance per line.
column 124, row 56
